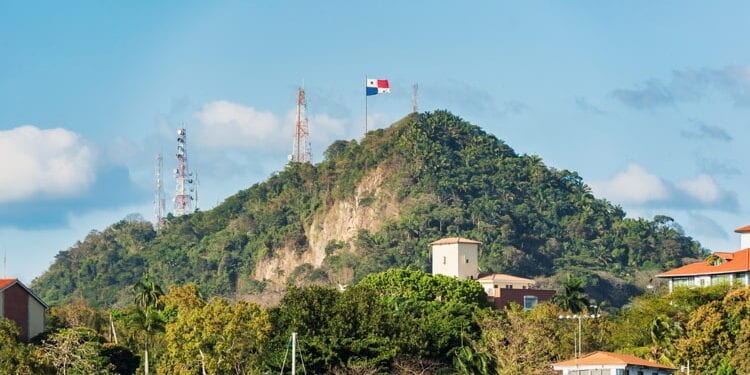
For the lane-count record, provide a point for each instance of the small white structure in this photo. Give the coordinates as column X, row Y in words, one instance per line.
column 456, row 257
column 606, row 363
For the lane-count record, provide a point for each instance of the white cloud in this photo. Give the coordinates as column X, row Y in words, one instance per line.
column 702, row 188
column 227, row 124
column 47, row 163
column 634, row 185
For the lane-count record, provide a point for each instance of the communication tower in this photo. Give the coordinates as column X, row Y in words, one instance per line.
column 301, row 149
column 183, row 198
column 159, row 192
column 414, row 107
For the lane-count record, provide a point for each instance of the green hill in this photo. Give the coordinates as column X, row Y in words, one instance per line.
column 374, row 205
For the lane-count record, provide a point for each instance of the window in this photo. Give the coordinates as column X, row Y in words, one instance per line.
column 467, row 260
column 444, row 260
column 529, row 302
column 495, row 286
column 508, row 286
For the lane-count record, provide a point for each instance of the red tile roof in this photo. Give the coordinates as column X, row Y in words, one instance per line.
column 745, row 229
column 733, row 262
column 607, row 358
column 453, row 240
column 4, row 283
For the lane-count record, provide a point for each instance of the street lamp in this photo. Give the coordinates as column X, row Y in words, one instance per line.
column 578, row 339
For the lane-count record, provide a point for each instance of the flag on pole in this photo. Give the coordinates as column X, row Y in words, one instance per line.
column 377, row 86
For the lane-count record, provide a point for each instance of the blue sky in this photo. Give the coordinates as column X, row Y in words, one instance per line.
column 648, row 101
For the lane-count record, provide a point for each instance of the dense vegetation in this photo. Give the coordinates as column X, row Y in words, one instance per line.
column 397, row 322
column 449, row 178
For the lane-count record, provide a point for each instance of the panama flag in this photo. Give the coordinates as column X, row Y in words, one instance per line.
column 377, row 86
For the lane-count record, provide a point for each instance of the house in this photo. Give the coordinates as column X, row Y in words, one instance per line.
column 20, row 305
column 503, row 289
column 720, row 267
column 459, row 257
column 606, row 363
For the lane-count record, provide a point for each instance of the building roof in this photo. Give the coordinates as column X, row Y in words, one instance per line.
column 504, row 277
column 745, row 229
column 608, row 358
column 454, row 240
column 7, row 283
column 733, row 262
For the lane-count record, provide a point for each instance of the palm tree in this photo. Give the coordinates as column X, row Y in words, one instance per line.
column 572, row 296
column 147, row 315
column 147, row 292
column 149, row 321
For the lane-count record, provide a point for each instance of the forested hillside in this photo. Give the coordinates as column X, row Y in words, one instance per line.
column 374, row 205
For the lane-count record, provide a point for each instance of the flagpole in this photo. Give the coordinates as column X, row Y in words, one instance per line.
column 365, row 106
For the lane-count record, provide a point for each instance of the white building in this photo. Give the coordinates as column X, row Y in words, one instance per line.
column 606, row 363
column 720, row 267
column 456, row 257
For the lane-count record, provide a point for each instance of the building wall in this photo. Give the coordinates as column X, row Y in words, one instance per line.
column 516, row 295
column 36, row 317
column 468, row 258
column 16, row 308
column 2, row 305
column 451, row 260
column 492, row 287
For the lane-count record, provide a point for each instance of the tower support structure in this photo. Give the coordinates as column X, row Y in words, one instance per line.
column 183, row 198
column 301, row 150
column 159, row 209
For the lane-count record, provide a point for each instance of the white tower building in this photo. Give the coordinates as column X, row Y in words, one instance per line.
column 457, row 257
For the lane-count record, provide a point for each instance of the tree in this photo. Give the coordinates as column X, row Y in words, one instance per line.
column 524, row 342
column 572, row 296
column 14, row 356
column 147, row 292
column 147, row 315
column 216, row 338
column 75, row 351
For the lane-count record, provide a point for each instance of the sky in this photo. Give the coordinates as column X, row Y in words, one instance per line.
column 648, row 101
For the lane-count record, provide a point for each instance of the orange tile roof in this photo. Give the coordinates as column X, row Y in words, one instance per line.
column 608, row 358
column 453, row 240
column 737, row 262
column 744, row 229
column 4, row 283
column 504, row 277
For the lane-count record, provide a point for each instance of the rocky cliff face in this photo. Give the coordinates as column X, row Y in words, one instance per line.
column 369, row 209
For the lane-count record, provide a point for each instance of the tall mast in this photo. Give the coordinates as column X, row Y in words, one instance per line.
column 183, row 198
column 414, row 106
column 301, row 148
column 159, row 192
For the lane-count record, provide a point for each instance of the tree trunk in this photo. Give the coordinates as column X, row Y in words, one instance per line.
column 145, row 357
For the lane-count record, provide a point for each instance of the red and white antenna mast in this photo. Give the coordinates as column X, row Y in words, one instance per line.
column 159, row 192
column 301, row 149
column 183, row 198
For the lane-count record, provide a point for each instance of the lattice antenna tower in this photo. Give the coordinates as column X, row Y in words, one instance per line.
column 301, row 152
column 183, row 197
column 414, row 107
column 159, row 208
